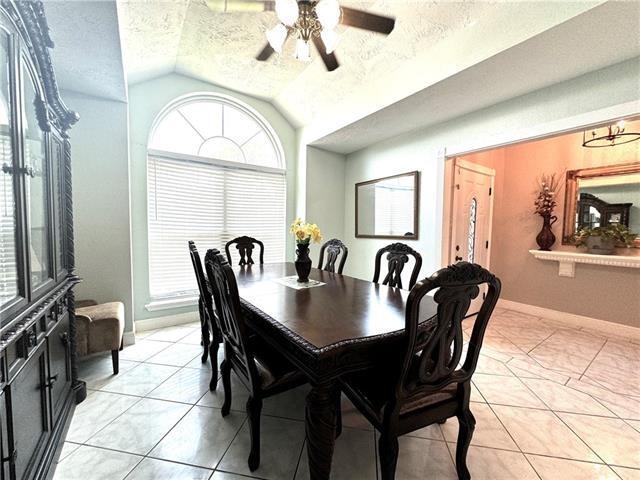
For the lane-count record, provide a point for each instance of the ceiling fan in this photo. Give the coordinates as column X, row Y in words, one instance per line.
column 308, row 21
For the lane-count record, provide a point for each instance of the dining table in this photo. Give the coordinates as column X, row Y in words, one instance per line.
column 339, row 326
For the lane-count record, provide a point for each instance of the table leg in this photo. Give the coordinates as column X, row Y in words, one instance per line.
column 320, row 423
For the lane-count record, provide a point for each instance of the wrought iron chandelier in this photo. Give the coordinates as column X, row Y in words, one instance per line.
column 615, row 134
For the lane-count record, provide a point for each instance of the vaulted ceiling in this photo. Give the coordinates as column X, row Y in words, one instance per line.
column 432, row 40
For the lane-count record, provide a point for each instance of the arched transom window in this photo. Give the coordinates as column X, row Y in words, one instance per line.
column 215, row 171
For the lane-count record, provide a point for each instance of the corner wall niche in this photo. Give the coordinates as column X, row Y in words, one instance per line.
column 567, row 260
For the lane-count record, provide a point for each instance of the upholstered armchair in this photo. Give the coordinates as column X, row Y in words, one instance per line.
column 100, row 328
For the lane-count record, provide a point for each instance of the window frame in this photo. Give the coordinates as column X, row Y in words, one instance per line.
column 185, row 299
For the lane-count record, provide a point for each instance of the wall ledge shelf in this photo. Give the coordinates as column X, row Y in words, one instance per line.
column 567, row 260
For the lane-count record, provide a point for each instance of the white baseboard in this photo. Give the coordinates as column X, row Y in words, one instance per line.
column 128, row 338
column 166, row 321
column 572, row 319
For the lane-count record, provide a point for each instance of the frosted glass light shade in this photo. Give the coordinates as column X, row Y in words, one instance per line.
column 330, row 39
column 287, row 11
column 328, row 12
column 302, row 51
column 276, row 37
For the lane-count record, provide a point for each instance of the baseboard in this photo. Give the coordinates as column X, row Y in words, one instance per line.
column 128, row 338
column 166, row 321
column 572, row 319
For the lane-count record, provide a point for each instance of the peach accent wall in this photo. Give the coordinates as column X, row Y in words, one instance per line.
column 606, row 293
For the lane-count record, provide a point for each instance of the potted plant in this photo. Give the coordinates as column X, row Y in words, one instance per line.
column 603, row 240
column 548, row 186
column 304, row 233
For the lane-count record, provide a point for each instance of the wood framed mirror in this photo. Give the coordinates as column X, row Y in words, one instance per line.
column 600, row 196
column 388, row 207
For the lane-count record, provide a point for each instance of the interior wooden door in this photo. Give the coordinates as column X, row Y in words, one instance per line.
column 472, row 211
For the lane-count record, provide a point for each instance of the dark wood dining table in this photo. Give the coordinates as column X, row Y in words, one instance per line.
column 326, row 331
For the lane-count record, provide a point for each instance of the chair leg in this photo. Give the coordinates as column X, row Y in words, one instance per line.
column 388, row 452
column 467, row 424
column 204, row 333
column 115, row 360
column 339, row 414
column 226, row 382
column 213, row 354
column 254, row 407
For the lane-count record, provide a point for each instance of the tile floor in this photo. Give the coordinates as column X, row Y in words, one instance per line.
column 551, row 402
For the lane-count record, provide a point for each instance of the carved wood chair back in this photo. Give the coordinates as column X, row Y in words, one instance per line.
column 397, row 257
column 205, row 295
column 333, row 248
column 232, row 326
column 432, row 358
column 245, row 246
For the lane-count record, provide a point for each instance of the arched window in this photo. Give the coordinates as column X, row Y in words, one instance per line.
column 215, row 171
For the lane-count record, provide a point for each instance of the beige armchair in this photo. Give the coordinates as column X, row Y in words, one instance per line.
column 100, row 328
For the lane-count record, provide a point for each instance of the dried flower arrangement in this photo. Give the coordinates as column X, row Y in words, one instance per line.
column 548, row 187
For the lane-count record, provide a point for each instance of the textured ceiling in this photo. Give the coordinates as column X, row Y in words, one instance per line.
column 431, row 41
column 87, row 54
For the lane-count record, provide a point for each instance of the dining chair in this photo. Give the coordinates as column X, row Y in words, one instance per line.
column 245, row 246
column 333, row 248
column 261, row 368
column 426, row 382
column 397, row 258
column 211, row 337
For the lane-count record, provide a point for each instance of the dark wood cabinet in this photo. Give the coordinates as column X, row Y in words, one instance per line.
column 38, row 373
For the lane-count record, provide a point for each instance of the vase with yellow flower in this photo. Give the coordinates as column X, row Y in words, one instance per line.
column 304, row 233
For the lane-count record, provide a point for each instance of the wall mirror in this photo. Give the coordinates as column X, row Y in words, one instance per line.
column 601, row 196
column 388, row 207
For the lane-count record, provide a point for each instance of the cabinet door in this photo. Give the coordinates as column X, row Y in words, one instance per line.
column 12, row 285
column 4, row 447
column 37, row 185
column 59, row 225
column 59, row 364
column 28, row 411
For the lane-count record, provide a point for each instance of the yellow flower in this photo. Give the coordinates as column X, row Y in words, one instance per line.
column 305, row 232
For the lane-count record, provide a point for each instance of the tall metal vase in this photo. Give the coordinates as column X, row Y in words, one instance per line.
column 546, row 238
column 303, row 262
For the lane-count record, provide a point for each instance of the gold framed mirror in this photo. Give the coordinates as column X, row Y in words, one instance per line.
column 601, row 196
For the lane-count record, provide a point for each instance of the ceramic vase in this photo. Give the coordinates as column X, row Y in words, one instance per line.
column 303, row 262
column 546, row 238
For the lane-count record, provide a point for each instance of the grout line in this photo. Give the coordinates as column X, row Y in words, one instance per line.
column 304, row 443
column 542, row 341
column 593, row 359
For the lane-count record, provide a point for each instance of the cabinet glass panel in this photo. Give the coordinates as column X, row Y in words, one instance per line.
column 37, row 182
column 8, row 243
column 57, row 164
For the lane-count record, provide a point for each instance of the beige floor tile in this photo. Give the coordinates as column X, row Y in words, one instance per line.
column 187, row 385
column 528, row 364
column 352, row 418
column 489, row 432
column 151, row 469
column 420, row 459
column 178, row 354
column 140, row 380
column 141, row 427
column 170, row 334
column 550, row 468
column 489, row 365
column 612, row 439
column 627, row 473
column 354, row 457
column 621, row 405
column 97, row 463
column 97, row 370
column 432, row 432
column 67, row 449
column 97, row 411
column 490, row 464
column 281, row 444
column 228, row 476
column 142, row 350
column 566, row 399
column 201, row 438
column 542, row 432
column 506, row 391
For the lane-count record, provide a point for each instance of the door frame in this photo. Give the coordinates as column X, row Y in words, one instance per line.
column 449, row 231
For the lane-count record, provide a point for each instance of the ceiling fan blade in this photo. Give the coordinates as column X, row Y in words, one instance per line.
column 367, row 21
column 330, row 60
column 265, row 53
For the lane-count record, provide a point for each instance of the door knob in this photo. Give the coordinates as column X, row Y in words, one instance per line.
column 458, row 259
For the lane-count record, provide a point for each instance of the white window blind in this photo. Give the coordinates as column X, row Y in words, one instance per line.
column 394, row 210
column 209, row 203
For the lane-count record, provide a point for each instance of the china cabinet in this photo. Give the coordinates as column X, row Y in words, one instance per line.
column 38, row 374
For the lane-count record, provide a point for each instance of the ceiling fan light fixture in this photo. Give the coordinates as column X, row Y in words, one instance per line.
column 330, row 39
column 303, row 52
column 287, row 11
column 276, row 37
column 328, row 13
